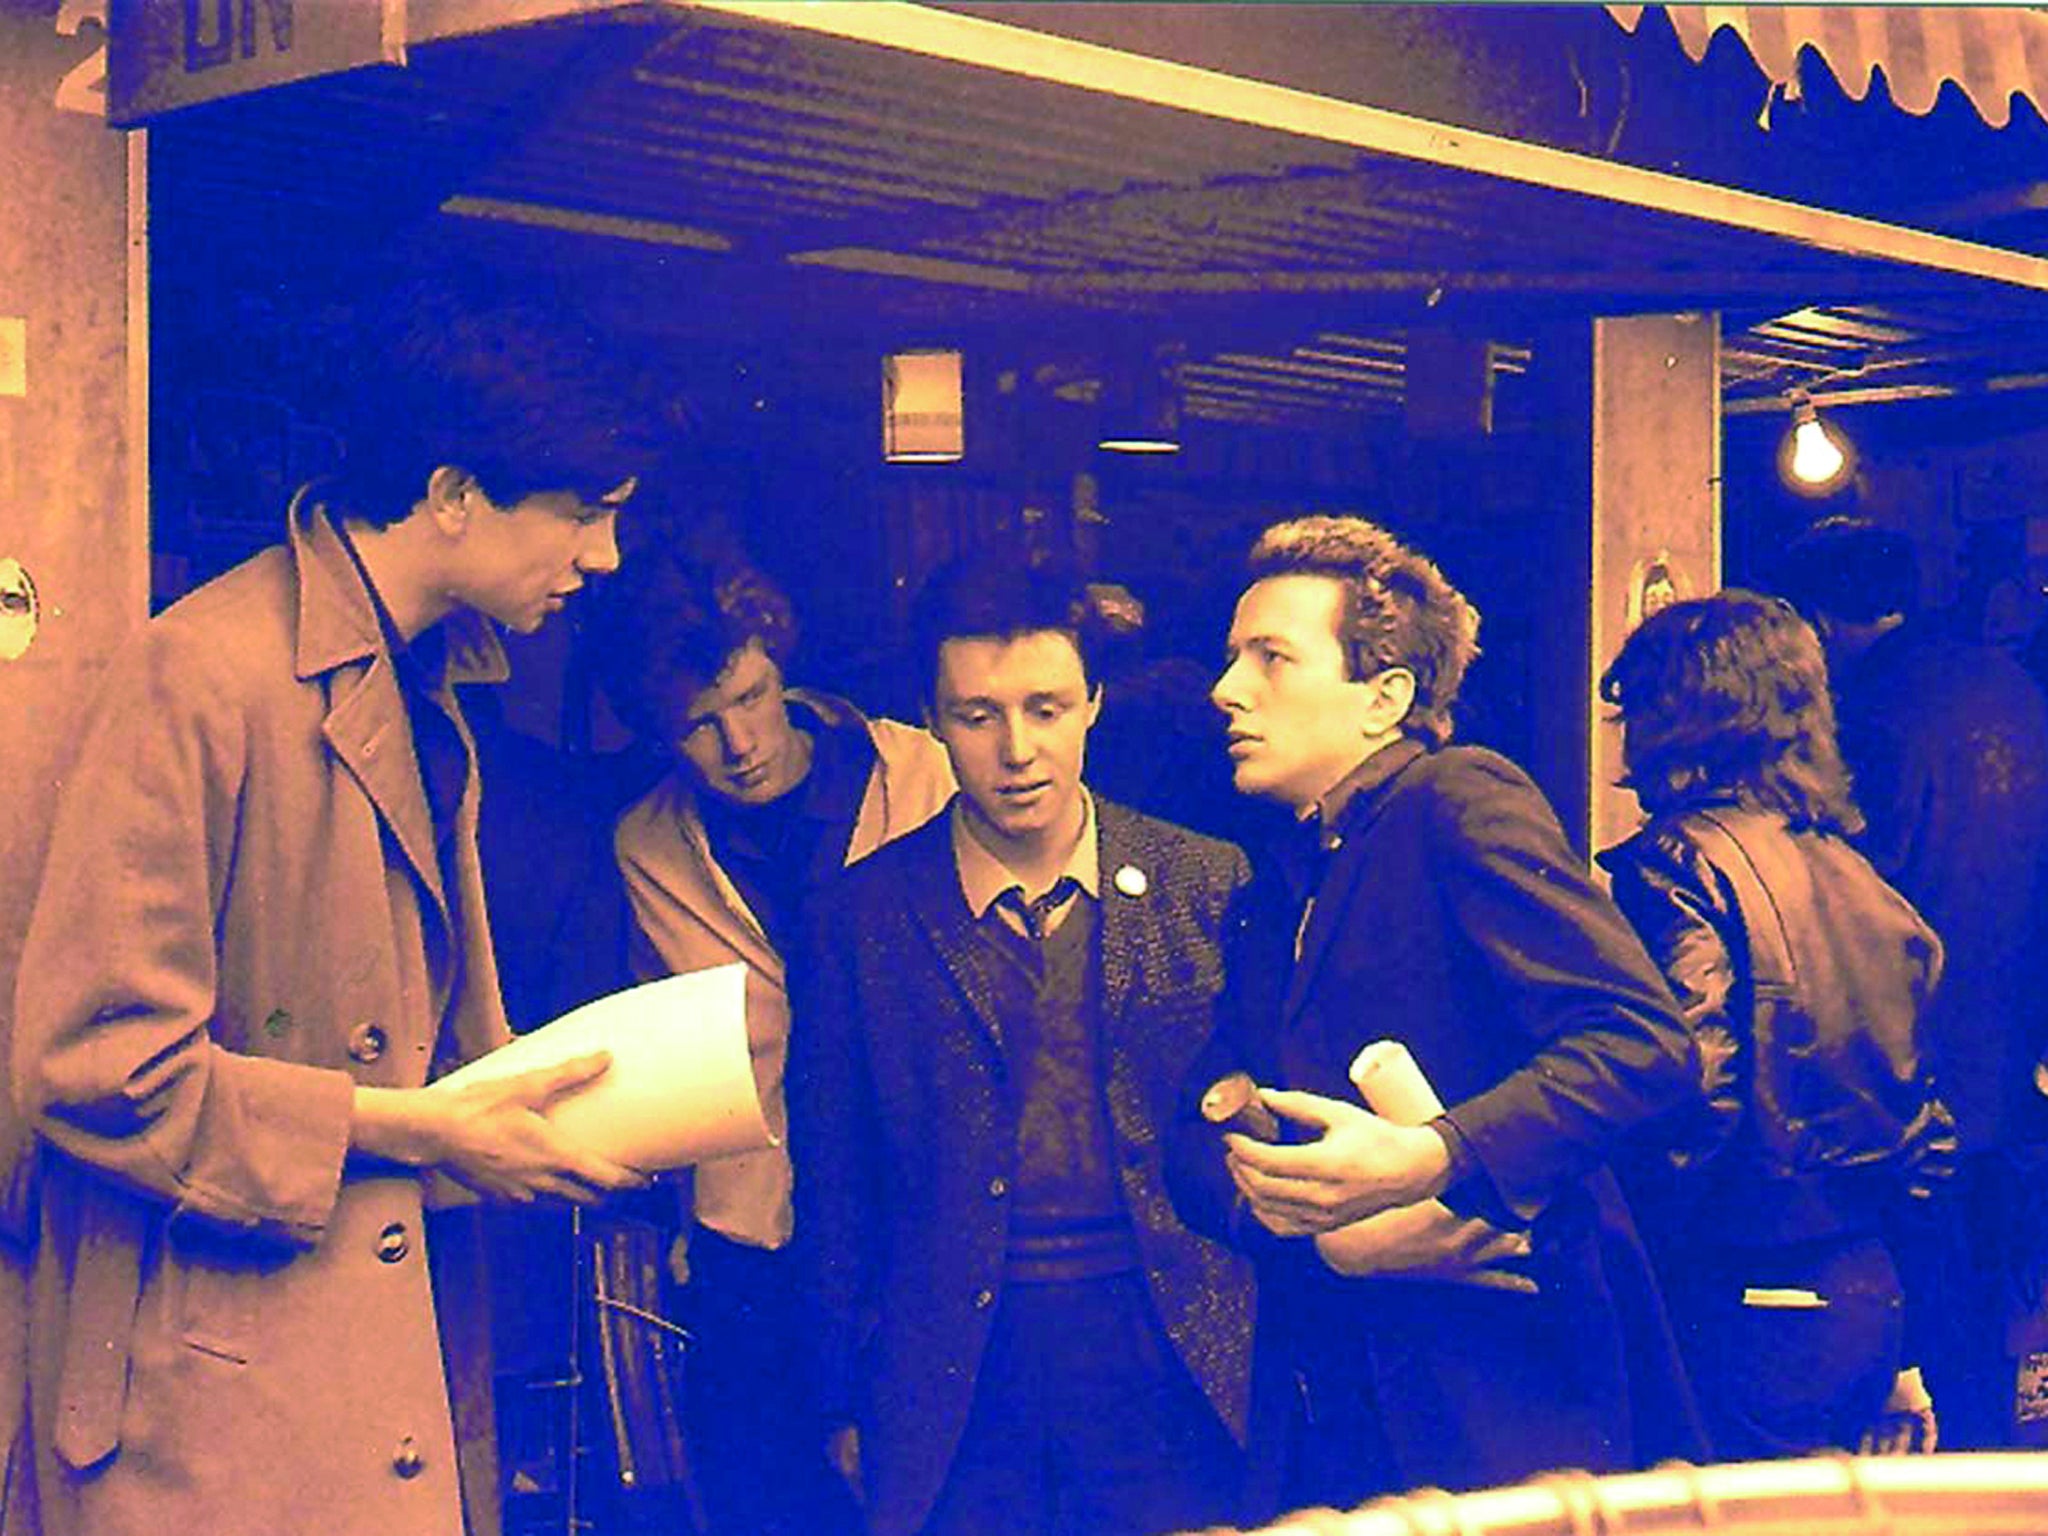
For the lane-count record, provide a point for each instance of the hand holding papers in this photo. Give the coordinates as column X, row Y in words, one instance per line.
column 1428, row 1240
column 680, row 1089
column 1357, row 1165
column 1392, row 1086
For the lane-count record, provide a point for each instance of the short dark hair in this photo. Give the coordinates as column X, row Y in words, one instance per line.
column 1399, row 610
column 1850, row 569
column 666, row 626
column 520, row 393
column 1726, row 698
column 988, row 597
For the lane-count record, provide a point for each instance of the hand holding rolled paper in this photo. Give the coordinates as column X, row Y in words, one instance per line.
column 680, row 1088
column 1233, row 1104
column 1359, row 1164
column 1428, row 1241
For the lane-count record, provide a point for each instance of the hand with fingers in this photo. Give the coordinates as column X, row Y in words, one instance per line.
column 1358, row 1166
column 1428, row 1241
column 1906, row 1424
column 494, row 1135
column 842, row 1450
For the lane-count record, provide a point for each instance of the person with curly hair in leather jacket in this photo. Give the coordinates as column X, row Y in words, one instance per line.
column 1783, row 1216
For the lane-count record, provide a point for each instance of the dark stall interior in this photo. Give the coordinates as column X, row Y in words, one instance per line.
column 760, row 217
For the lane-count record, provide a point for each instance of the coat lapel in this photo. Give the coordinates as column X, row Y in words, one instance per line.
column 1332, row 897
column 366, row 725
column 719, row 904
column 1345, row 870
column 935, row 901
column 368, row 730
column 1130, row 922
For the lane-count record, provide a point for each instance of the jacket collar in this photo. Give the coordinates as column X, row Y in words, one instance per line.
column 1362, row 787
column 338, row 617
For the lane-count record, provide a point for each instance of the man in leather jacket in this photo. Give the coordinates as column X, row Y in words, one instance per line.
column 1782, row 1217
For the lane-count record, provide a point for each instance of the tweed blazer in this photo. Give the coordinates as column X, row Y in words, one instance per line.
column 243, row 918
column 905, row 1140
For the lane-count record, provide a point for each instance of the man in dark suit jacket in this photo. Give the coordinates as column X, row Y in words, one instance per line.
column 1455, row 1320
column 984, row 1056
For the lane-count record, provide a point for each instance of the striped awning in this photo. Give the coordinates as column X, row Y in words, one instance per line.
column 1992, row 53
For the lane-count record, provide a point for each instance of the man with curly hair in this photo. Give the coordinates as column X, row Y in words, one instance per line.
column 772, row 792
column 1437, row 1295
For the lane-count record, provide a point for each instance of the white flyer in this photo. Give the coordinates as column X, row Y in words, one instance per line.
column 680, row 1088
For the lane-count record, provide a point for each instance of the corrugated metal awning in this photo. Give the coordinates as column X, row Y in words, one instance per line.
column 857, row 174
column 1992, row 53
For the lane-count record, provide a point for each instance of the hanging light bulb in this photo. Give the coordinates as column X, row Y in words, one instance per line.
column 1815, row 459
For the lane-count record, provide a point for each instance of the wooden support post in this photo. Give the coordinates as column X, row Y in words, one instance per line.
column 1656, row 534
column 73, row 393
column 1632, row 471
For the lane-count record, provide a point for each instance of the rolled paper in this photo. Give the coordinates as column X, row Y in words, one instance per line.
column 1233, row 1104
column 1392, row 1085
column 681, row 1087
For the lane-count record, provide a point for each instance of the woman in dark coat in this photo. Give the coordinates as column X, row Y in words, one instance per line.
column 1782, row 1216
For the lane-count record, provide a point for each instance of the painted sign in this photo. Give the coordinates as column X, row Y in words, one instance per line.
column 165, row 54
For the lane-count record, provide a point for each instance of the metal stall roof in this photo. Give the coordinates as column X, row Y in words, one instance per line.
column 877, row 172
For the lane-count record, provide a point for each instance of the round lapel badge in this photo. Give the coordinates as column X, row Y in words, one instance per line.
column 1131, row 881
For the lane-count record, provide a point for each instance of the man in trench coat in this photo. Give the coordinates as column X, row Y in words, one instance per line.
column 260, row 932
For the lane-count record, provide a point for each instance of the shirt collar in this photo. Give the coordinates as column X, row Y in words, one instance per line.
column 422, row 663
column 984, row 877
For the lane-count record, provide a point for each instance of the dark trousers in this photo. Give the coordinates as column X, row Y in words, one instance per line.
column 1085, row 1423
column 1788, row 1381
column 1991, row 1221
column 1393, row 1386
column 756, row 1443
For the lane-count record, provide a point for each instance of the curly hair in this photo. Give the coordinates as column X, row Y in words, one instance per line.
column 1726, row 698
column 1399, row 609
column 667, row 625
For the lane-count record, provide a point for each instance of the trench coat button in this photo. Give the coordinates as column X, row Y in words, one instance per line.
column 984, row 1299
column 392, row 1243
column 407, row 1460
column 999, row 1186
column 366, row 1043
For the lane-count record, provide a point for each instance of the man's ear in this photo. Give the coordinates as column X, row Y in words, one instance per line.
column 1392, row 696
column 450, row 491
column 1095, row 697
